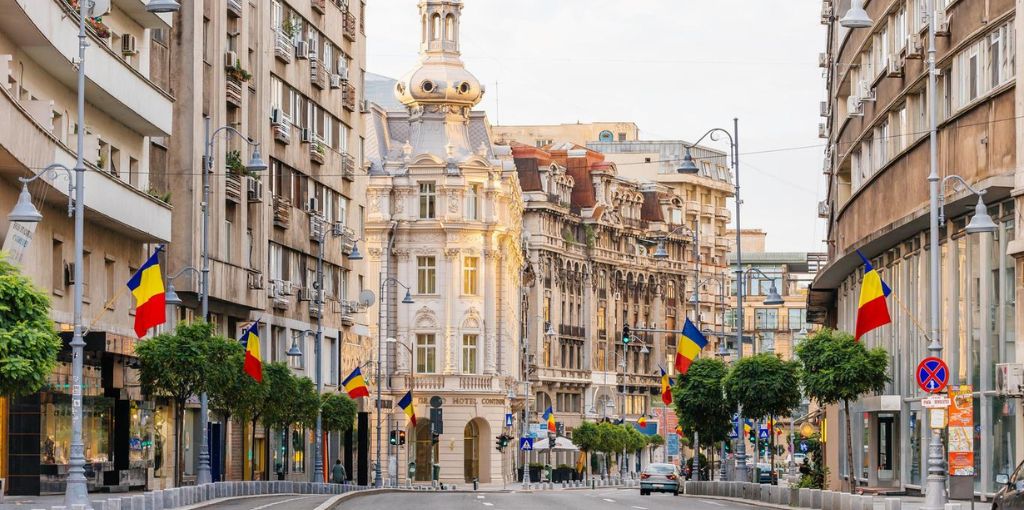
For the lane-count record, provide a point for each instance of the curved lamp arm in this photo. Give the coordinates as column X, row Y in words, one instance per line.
column 51, row 171
column 942, row 196
column 231, row 130
column 184, row 270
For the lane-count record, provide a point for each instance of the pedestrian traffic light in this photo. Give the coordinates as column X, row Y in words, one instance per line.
column 393, row 437
column 401, row 437
column 625, row 335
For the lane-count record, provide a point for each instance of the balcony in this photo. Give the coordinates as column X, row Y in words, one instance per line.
column 47, row 32
column 282, row 131
column 708, row 210
column 348, row 167
column 723, row 212
column 692, row 207
column 317, row 152
column 233, row 91
column 634, row 223
column 282, row 211
column 284, row 49
column 235, row 8
column 348, row 96
column 233, row 187
column 573, row 331
column 562, row 375
column 319, row 6
column 136, row 10
column 349, row 26
column 456, row 383
column 317, row 73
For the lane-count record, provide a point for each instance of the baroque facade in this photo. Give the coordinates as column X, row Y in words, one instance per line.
column 876, row 129
column 444, row 224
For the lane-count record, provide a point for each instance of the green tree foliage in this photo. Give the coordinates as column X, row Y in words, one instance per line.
column 233, row 393
column 174, row 365
column 339, row 412
column 700, row 403
column 586, row 436
column 837, row 369
column 764, row 385
column 28, row 342
column 635, row 440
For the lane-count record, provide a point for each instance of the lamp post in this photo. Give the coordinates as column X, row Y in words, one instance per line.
column 688, row 167
column 255, row 164
column 549, row 332
column 171, row 297
column 412, row 383
column 695, row 301
column 385, row 283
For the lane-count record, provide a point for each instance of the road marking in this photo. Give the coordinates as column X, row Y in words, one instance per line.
column 710, row 502
column 639, row 507
column 268, row 505
column 488, row 503
column 479, row 497
column 609, row 500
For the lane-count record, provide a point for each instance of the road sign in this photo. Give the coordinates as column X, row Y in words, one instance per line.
column 436, row 402
column 932, row 375
column 762, row 433
column 526, row 444
column 508, row 419
column 803, row 446
column 935, row 402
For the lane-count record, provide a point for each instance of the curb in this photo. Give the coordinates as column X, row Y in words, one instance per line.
column 748, row 502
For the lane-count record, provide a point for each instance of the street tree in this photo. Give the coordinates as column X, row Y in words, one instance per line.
column 174, row 365
column 656, row 441
column 765, row 386
column 28, row 343
column 339, row 412
column 232, row 392
column 586, row 438
column 836, row 368
column 611, row 441
column 699, row 401
column 635, row 440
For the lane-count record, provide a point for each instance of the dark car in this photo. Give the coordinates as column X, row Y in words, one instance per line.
column 659, row 478
column 1011, row 495
column 767, row 475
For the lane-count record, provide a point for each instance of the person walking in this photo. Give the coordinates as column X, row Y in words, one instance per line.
column 338, row 474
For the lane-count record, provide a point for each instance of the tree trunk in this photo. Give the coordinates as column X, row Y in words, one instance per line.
column 849, row 449
column 179, row 417
column 252, row 442
column 771, row 466
column 224, row 446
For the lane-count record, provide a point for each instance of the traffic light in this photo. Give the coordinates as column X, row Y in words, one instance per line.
column 434, row 437
column 401, row 437
column 393, row 437
column 502, row 442
column 625, row 335
column 728, row 447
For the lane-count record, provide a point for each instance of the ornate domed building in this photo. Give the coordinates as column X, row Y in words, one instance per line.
column 443, row 222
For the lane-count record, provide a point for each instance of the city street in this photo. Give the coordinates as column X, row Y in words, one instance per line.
column 562, row 500
column 284, row 502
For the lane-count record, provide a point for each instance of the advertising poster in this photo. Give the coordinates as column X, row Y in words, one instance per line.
column 961, row 431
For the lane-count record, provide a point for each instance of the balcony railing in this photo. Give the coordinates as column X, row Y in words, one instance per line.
column 317, row 152
column 317, row 73
column 348, row 96
column 282, row 211
column 573, row 331
column 349, row 26
column 233, row 91
column 233, row 186
column 562, row 374
column 284, row 49
column 348, row 167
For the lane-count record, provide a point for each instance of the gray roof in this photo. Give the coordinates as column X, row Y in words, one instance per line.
column 381, row 90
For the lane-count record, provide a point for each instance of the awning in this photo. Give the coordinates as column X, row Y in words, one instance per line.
column 562, row 444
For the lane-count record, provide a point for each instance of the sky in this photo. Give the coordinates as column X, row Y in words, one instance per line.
column 674, row 67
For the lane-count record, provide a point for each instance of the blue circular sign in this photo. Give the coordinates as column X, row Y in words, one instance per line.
column 932, row 375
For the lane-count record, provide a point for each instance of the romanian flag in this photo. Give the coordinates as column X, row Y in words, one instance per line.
column 407, row 407
column 549, row 416
column 642, row 421
column 253, row 361
column 689, row 346
column 355, row 385
column 666, row 388
column 148, row 288
column 872, row 310
column 679, row 430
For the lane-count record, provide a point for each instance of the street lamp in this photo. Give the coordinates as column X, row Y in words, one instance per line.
column 412, row 380
column 981, row 222
column 162, row 6
column 688, row 167
column 773, row 298
column 856, row 17
column 255, row 164
column 385, row 283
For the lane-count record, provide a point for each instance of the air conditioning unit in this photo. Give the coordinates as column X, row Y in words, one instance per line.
column 1010, row 379
column 822, row 59
column 364, row 106
column 822, row 130
column 128, row 45
column 336, row 81
column 864, row 91
column 826, row 166
column 301, row 49
column 254, row 190
column 69, row 274
column 255, row 280
column 824, row 209
column 276, row 116
column 230, row 58
column 305, row 294
column 823, row 108
column 826, row 12
column 306, row 136
column 287, row 288
column 914, row 47
column 941, row 24
column 312, row 205
column 854, row 106
column 894, row 69
column 342, row 69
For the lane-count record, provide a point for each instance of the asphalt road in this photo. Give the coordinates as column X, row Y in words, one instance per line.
column 561, row 500
column 286, row 502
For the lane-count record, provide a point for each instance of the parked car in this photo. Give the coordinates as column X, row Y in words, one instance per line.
column 659, row 478
column 1011, row 494
column 766, row 474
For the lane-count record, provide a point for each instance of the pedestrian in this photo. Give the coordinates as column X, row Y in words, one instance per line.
column 338, row 474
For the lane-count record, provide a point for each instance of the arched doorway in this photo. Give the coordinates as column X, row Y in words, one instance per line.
column 476, row 456
column 422, row 453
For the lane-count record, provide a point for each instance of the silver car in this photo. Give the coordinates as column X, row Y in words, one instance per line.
column 659, row 478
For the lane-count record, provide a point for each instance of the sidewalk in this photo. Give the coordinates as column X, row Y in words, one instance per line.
column 30, row 502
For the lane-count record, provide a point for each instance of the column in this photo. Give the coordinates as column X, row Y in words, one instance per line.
column 449, row 277
column 658, row 340
column 488, row 275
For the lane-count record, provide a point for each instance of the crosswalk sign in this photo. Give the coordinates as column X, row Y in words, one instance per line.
column 762, row 433
column 508, row 419
column 526, row 444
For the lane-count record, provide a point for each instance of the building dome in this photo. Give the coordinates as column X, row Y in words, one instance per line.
column 440, row 78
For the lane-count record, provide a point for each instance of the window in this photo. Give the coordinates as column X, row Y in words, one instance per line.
column 428, row 201
column 426, row 354
column 983, row 65
column 797, row 318
column 470, row 266
column 767, row 341
column 426, row 275
column 469, row 349
column 57, row 267
column 766, row 318
column 298, row 460
column 882, row 144
column 110, row 286
column 472, row 202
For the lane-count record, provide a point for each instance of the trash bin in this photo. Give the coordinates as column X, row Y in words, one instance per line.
column 437, row 472
column 547, row 472
column 412, row 470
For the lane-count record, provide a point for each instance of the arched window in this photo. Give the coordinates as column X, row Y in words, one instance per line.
column 606, row 136
column 435, row 27
column 449, row 27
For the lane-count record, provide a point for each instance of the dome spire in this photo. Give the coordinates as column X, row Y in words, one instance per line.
column 440, row 26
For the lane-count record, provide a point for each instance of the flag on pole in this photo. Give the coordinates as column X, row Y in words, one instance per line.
column 689, row 346
column 642, row 421
column 407, row 407
column 147, row 285
column 679, row 430
column 666, row 388
column 253, row 361
column 872, row 310
column 549, row 416
column 355, row 385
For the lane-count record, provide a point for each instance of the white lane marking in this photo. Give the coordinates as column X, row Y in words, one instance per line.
column 488, row 503
column 261, row 507
column 479, row 497
column 639, row 507
column 609, row 500
column 710, row 502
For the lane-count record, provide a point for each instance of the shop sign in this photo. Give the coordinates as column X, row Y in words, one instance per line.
column 935, row 402
column 19, row 237
column 961, row 431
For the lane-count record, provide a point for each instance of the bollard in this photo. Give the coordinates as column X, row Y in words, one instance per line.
column 815, row 498
column 893, row 504
column 953, row 506
column 114, row 504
